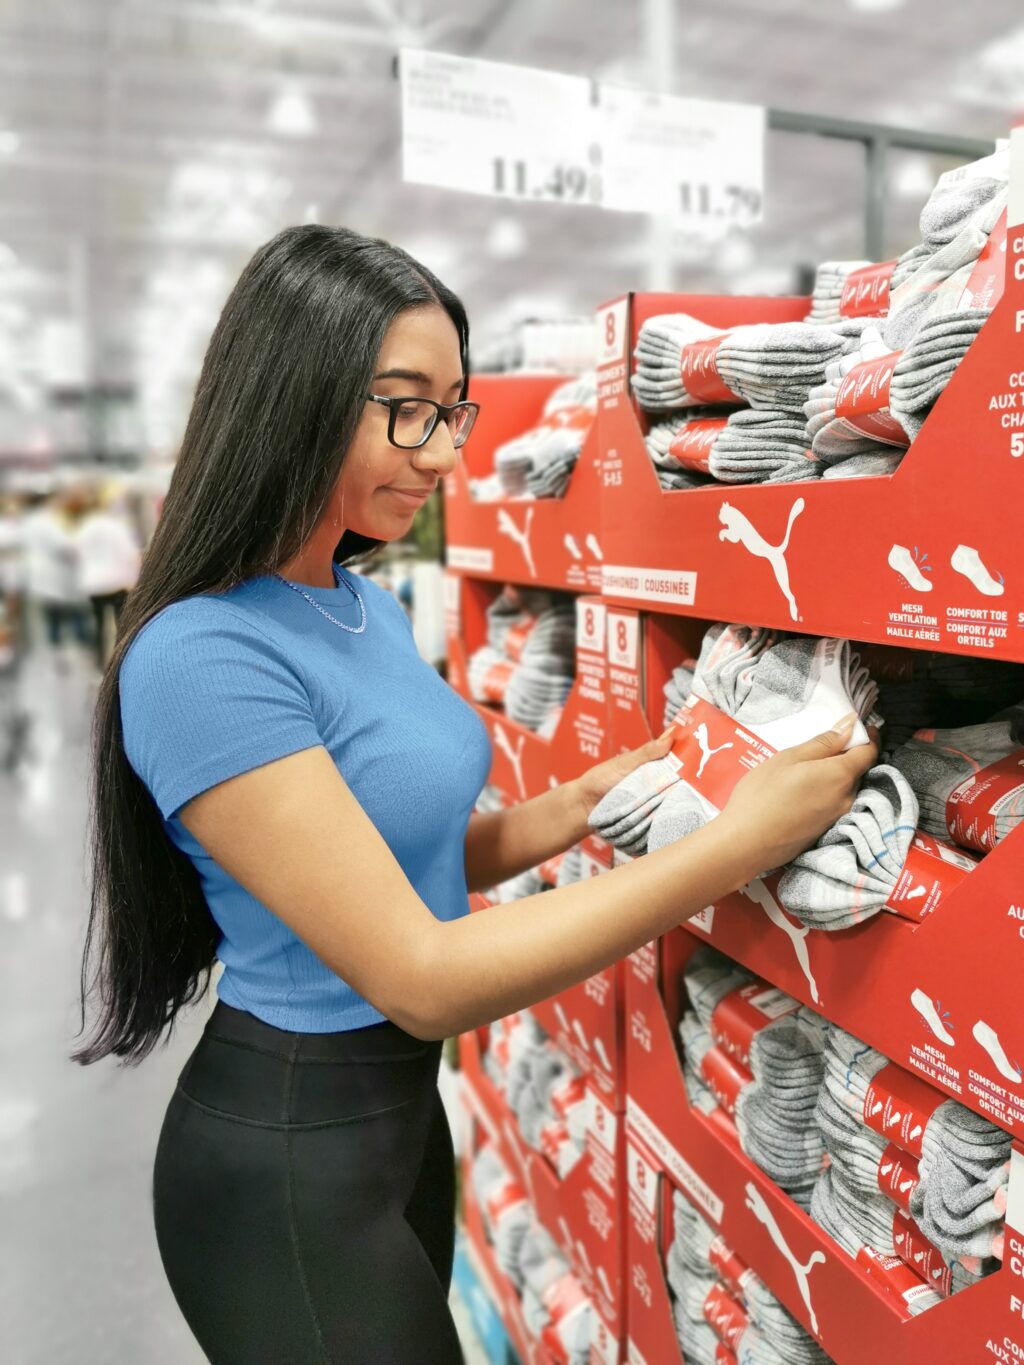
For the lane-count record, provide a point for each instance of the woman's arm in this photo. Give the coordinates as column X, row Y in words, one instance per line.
column 503, row 843
column 293, row 834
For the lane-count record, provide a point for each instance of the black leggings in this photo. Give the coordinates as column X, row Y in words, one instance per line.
column 304, row 1197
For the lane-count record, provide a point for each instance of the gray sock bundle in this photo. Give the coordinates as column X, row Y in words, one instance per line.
column 542, row 1265
column 767, row 365
column 753, row 676
column 832, row 438
column 937, row 762
column 570, row 869
column 775, row 1113
column 774, row 1334
column 696, row 1042
column 960, row 1202
column 929, row 362
column 671, row 474
column 534, row 689
column 853, row 869
column 489, row 1176
column 869, row 464
column 829, row 282
column 937, row 285
column 539, row 463
column 763, row 446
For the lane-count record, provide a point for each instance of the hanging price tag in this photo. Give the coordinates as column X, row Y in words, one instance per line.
column 490, row 128
column 698, row 161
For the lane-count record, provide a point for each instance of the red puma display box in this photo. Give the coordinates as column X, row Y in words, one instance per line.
column 929, row 1005
column 854, row 1317
column 926, row 557
column 525, row 763
column 544, row 542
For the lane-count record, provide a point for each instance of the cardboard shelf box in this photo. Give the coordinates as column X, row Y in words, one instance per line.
column 544, row 542
column 855, row 1317
column 525, row 763
column 488, row 1120
column 815, row 556
column 870, row 979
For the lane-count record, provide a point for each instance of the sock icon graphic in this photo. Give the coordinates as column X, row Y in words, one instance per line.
column 967, row 561
column 737, row 529
column 928, row 1009
column 594, row 547
column 986, row 1035
column 569, row 541
column 910, row 567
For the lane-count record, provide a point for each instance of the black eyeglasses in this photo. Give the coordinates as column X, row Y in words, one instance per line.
column 411, row 421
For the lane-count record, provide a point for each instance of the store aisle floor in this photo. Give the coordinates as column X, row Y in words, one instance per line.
column 80, row 1278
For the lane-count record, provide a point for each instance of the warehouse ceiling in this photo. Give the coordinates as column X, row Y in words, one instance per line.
column 147, row 146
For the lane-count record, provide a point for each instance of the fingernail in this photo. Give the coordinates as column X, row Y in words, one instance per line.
column 844, row 726
column 672, row 730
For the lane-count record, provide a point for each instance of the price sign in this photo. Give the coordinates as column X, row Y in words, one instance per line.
column 490, row 128
column 700, row 162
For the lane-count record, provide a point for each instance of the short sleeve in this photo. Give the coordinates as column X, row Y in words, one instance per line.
column 206, row 696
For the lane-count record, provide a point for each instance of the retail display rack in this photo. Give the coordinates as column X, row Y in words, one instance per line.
column 819, row 558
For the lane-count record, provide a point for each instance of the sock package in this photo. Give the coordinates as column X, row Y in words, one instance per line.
column 529, row 661
column 539, row 463
column 761, row 1331
column 542, row 1088
column 756, row 677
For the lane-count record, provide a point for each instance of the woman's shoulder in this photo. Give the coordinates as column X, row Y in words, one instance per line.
column 182, row 634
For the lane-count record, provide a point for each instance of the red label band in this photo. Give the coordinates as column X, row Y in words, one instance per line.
column 727, row 1318
column 573, row 417
column 984, row 289
column 924, row 1259
column 898, row 1176
column 932, row 870
column 898, row 1106
column 506, row 1197
column 548, row 870
column 711, row 752
column 863, row 400
column 972, row 808
column 553, row 1138
column 731, row 1270
column 723, row 1356
column 740, row 1016
column 866, row 292
column 562, row 1297
column 893, row 1273
column 567, row 1095
column 495, row 681
column 725, row 1078
column 691, row 447
column 515, row 640
column 699, row 372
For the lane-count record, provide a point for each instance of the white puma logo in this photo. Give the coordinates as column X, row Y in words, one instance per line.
column 701, row 736
column 801, row 1272
column 738, row 530
column 757, row 892
column 507, row 527
column 501, row 739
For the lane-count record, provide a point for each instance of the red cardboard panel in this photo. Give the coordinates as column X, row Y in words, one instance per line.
column 927, row 557
column 837, row 1301
column 546, row 542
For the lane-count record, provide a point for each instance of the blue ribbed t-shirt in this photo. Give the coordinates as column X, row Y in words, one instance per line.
column 217, row 685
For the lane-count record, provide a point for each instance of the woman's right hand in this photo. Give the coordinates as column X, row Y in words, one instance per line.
column 782, row 807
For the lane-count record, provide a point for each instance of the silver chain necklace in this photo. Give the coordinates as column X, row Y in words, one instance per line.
column 339, row 578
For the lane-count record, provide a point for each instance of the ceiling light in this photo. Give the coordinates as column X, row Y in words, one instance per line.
column 914, row 179
column 505, row 239
column 875, row 6
column 9, row 143
column 292, row 114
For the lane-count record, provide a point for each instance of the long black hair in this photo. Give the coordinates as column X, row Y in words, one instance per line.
column 280, row 394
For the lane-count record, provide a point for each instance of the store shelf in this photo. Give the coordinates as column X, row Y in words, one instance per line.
column 525, row 764
column 964, row 957
column 546, row 542
column 669, row 1144
column 814, row 556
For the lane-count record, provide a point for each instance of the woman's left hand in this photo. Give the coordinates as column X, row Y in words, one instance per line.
column 598, row 781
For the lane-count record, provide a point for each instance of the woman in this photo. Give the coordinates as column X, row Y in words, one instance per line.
column 283, row 785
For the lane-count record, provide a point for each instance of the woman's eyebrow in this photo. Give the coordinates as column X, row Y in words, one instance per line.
column 416, row 377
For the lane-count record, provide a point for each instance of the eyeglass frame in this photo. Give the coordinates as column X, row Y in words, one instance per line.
column 444, row 410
